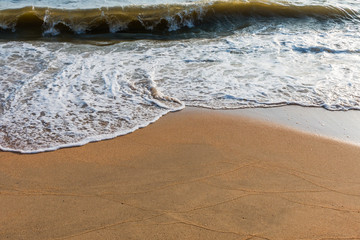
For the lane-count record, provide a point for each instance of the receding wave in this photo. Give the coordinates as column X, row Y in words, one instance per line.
column 155, row 19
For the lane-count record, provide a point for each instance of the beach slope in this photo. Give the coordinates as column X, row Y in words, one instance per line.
column 194, row 174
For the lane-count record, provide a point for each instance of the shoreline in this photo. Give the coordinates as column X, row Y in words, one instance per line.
column 336, row 125
column 339, row 126
column 196, row 173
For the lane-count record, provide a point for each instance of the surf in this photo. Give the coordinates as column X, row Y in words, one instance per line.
column 162, row 20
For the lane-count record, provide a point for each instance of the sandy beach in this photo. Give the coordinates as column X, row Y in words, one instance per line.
column 194, row 174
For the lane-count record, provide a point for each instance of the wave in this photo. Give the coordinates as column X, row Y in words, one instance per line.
column 154, row 19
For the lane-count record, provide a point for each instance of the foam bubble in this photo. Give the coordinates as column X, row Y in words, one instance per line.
column 58, row 96
column 62, row 94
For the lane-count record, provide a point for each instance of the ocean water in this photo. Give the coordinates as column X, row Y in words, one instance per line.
column 76, row 71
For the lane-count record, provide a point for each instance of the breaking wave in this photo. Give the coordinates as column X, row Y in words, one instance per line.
column 162, row 19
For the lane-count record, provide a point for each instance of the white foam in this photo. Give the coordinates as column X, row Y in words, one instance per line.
column 61, row 94
column 74, row 97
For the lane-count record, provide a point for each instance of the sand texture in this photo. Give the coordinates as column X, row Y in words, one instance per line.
column 191, row 175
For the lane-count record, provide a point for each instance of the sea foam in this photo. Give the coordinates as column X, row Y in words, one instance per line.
column 59, row 94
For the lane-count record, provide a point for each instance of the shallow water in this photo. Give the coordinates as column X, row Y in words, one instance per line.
column 95, row 71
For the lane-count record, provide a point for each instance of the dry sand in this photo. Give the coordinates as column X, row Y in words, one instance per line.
column 191, row 175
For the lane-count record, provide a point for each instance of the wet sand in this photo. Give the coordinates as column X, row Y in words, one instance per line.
column 194, row 174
